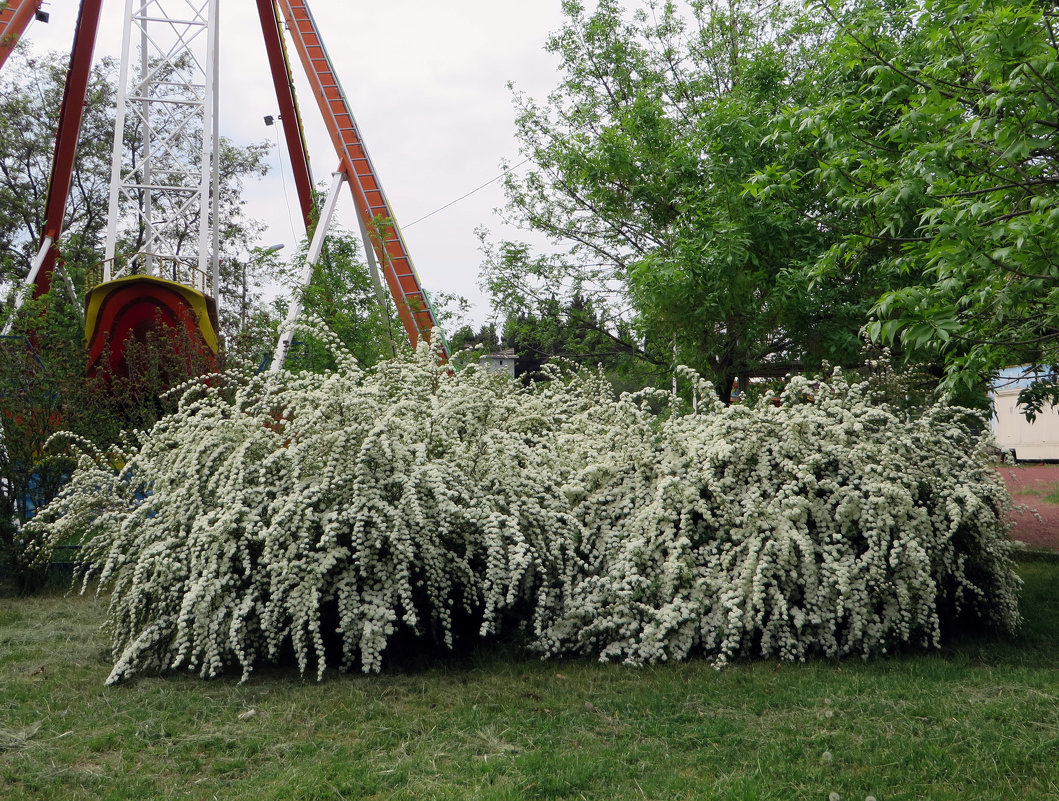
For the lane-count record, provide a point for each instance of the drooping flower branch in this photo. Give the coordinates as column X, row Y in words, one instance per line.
column 633, row 528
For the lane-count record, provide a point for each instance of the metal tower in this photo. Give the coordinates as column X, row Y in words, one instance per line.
column 162, row 248
column 167, row 90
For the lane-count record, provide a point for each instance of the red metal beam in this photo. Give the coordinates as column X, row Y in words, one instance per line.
column 70, row 115
column 288, row 107
column 14, row 17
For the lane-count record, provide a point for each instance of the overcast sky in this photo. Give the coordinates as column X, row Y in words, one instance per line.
column 427, row 82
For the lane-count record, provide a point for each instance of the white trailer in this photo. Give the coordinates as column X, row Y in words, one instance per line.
column 1036, row 441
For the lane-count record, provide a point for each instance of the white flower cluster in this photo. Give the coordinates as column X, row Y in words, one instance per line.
column 408, row 496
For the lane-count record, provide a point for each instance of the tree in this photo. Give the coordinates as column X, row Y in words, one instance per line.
column 485, row 339
column 31, row 88
column 571, row 330
column 33, row 396
column 936, row 134
column 641, row 156
column 342, row 292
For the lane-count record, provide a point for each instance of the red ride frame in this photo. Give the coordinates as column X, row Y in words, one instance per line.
column 372, row 206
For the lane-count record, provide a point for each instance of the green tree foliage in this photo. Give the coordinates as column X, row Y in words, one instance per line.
column 934, row 141
column 485, row 339
column 31, row 87
column 33, row 397
column 239, row 233
column 572, row 330
column 641, row 156
column 568, row 330
column 342, row 292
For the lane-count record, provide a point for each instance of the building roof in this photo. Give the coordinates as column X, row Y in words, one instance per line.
column 500, row 354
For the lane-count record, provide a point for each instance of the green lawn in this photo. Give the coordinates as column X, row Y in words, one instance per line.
column 980, row 720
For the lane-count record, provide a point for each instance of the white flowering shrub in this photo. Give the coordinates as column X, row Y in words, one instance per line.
column 408, row 497
column 825, row 525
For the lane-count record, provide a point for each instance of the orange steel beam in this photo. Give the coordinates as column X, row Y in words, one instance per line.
column 288, row 107
column 14, row 17
column 370, row 201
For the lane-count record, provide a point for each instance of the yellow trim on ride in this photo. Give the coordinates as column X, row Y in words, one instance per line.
column 195, row 299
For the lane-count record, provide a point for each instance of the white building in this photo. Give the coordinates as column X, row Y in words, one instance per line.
column 502, row 361
column 1013, row 432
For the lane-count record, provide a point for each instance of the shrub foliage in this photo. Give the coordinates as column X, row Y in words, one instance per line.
column 409, row 498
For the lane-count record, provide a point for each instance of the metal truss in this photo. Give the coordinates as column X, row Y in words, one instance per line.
column 163, row 215
column 164, row 168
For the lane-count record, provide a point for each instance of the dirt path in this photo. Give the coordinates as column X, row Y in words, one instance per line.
column 1029, row 484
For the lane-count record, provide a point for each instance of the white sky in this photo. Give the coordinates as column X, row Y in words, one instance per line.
column 427, row 83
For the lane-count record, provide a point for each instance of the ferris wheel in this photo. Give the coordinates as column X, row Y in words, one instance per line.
column 153, row 272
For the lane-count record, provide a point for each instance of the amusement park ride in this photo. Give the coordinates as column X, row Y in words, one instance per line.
column 167, row 90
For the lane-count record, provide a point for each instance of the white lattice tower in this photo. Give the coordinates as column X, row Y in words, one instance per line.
column 164, row 180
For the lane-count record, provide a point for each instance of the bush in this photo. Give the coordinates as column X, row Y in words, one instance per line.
column 33, row 406
column 44, row 389
column 825, row 525
column 408, row 498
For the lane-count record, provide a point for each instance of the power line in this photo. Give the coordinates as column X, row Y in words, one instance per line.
column 463, row 197
column 283, row 178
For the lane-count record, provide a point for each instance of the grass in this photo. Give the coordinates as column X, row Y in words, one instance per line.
column 1052, row 496
column 978, row 720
